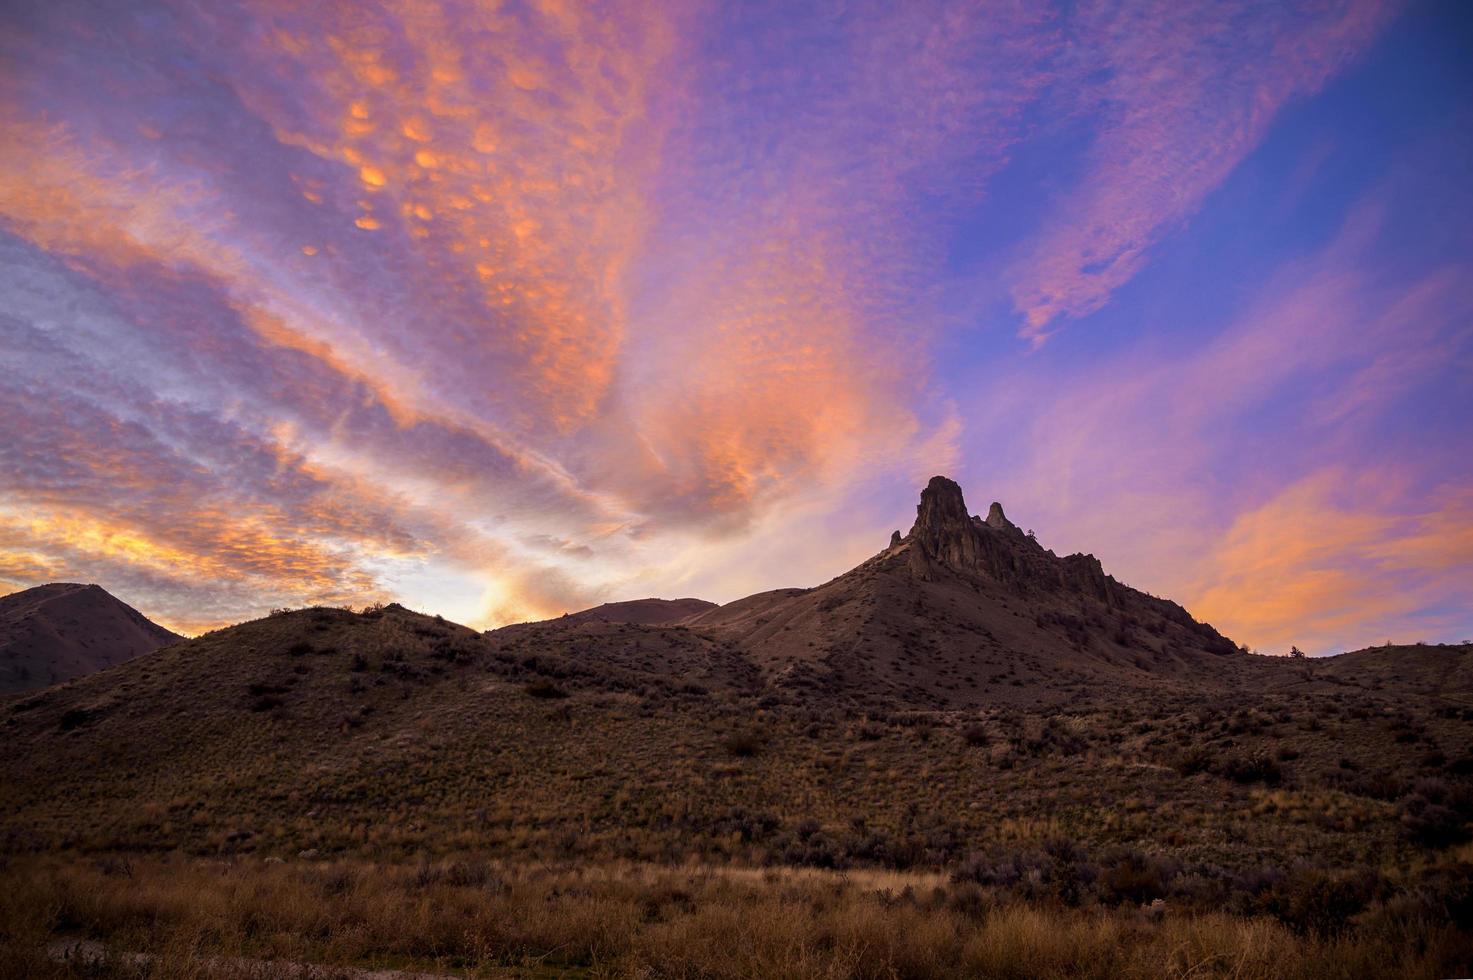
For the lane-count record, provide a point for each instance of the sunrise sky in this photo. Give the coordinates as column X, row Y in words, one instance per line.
column 502, row 310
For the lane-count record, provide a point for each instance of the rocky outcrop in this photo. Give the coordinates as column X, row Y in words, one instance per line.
column 944, row 532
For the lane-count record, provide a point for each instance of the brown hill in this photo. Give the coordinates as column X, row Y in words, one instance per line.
column 964, row 702
column 646, row 612
column 52, row 633
column 964, row 691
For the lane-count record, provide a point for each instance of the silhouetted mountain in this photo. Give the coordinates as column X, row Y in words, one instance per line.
column 963, row 610
column 53, row 633
column 963, row 679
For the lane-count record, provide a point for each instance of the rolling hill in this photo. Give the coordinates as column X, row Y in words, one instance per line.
column 53, row 633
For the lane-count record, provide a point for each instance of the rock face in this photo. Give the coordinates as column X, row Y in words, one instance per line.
column 943, row 615
column 944, row 533
column 56, row 632
column 997, row 520
column 943, row 530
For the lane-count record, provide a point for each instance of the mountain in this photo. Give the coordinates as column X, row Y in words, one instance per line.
column 56, row 632
column 961, row 690
column 966, row 610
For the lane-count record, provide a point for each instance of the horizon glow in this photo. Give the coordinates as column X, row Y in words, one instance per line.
column 506, row 310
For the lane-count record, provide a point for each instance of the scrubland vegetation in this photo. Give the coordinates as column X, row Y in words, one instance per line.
column 388, row 789
column 194, row 917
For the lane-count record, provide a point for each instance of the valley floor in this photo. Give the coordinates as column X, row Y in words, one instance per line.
column 162, row 916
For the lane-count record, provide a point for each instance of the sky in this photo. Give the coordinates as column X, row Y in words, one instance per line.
column 501, row 310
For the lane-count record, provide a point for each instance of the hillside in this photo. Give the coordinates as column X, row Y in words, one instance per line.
column 962, row 693
column 52, row 633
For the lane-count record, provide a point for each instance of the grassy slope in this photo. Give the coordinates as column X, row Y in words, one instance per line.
column 395, row 733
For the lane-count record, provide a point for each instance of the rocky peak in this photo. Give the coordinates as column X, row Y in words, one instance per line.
column 943, row 529
column 942, row 508
column 944, row 533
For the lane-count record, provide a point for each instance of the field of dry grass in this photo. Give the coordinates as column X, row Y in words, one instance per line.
column 385, row 788
column 475, row 918
column 394, row 734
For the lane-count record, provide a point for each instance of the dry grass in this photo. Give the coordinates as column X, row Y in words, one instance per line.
column 620, row 920
column 270, row 739
column 648, row 822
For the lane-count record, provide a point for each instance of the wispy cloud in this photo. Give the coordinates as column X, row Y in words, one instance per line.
column 508, row 309
column 1182, row 93
column 1337, row 553
column 1245, row 475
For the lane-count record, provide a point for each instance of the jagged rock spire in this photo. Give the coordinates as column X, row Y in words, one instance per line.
column 942, row 508
column 943, row 528
column 945, row 533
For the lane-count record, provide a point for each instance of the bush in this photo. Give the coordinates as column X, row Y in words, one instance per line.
column 1060, row 872
column 1319, row 902
column 975, row 736
column 750, row 825
column 1432, row 824
column 546, row 690
column 742, row 745
column 1192, row 761
column 1256, row 767
column 1130, row 876
column 74, row 718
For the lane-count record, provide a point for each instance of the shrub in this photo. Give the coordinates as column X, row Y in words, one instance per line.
column 750, row 825
column 975, row 736
column 1060, row 872
column 74, row 718
column 1256, row 767
column 742, row 745
column 1131, row 876
column 1432, row 824
column 1193, row 760
column 1314, row 901
column 546, row 690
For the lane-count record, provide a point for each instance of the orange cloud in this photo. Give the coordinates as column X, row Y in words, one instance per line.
column 1335, row 558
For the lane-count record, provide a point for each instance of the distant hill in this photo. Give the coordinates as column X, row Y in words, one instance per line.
column 53, row 633
column 647, row 612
